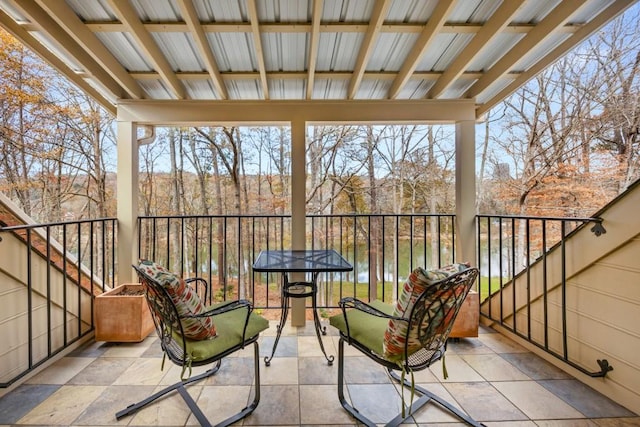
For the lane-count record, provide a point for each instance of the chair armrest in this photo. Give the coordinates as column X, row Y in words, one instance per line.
column 351, row 302
column 199, row 281
column 356, row 304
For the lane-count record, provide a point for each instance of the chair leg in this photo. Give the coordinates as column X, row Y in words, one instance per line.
column 131, row 409
column 193, row 406
column 350, row 409
column 256, row 398
column 425, row 398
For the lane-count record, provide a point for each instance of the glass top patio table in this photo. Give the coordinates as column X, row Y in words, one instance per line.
column 314, row 261
column 307, row 261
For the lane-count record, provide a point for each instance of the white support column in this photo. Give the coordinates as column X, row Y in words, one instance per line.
column 127, row 200
column 465, row 192
column 298, row 208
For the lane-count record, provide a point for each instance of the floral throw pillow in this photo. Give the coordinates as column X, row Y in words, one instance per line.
column 419, row 280
column 186, row 300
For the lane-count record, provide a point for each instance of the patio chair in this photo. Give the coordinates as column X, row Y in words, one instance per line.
column 406, row 337
column 192, row 335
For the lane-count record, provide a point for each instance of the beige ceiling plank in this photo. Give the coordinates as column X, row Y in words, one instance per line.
column 67, row 44
column 434, row 25
column 553, row 20
column 581, row 34
column 314, row 40
column 380, row 11
column 193, row 22
column 28, row 40
column 494, row 26
column 257, row 41
column 127, row 14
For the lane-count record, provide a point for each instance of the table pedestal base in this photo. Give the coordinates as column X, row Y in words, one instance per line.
column 299, row 290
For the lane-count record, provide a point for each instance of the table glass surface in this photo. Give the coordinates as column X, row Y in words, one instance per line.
column 309, row 260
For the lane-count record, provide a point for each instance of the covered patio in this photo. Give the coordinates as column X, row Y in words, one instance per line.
column 300, row 63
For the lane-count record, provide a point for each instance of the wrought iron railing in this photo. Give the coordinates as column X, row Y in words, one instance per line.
column 221, row 248
column 50, row 277
column 523, row 264
column 384, row 249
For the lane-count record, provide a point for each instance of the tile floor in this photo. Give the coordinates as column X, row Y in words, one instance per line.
column 493, row 379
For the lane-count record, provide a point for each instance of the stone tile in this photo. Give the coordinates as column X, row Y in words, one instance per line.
column 585, row 399
column 535, row 401
column 61, row 371
column 501, row 344
column 127, row 349
column 492, row 367
column 221, row 402
column 378, row 402
column 287, row 346
column 63, row 406
column 171, row 410
column 142, row 371
column 424, row 376
column 457, row 368
column 534, row 366
column 432, row 412
column 23, row 399
column 348, row 350
column 173, row 373
column 362, row 370
column 279, row 405
column 566, row 423
column 90, row 349
column 102, row 371
column 234, row 371
column 154, row 350
column 509, row 424
column 319, row 404
column 113, row 399
column 283, row 370
column 483, row 402
column 308, row 346
column 467, row 346
column 315, row 370
column 617, row 422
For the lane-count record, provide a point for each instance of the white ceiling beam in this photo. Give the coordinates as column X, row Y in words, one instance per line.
column 554, row 19
column 193, row 23
column 128, row 16
column 28, row 40
column 257, row 43
column 380, row 11
column 194, row 112
column 67, row 43
column 584, row 32
column 314, row 41
column 434, row 25
column 494, row 26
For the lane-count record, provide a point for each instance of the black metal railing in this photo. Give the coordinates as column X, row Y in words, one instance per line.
column 54, row 258
column 56, row 269
column 221, row 248
column 522, row 263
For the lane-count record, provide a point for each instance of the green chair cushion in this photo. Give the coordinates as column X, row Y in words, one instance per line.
column 365, row 328
column 229, row 328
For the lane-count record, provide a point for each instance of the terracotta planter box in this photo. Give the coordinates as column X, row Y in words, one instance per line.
column 466, row 324
column 122, row 315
